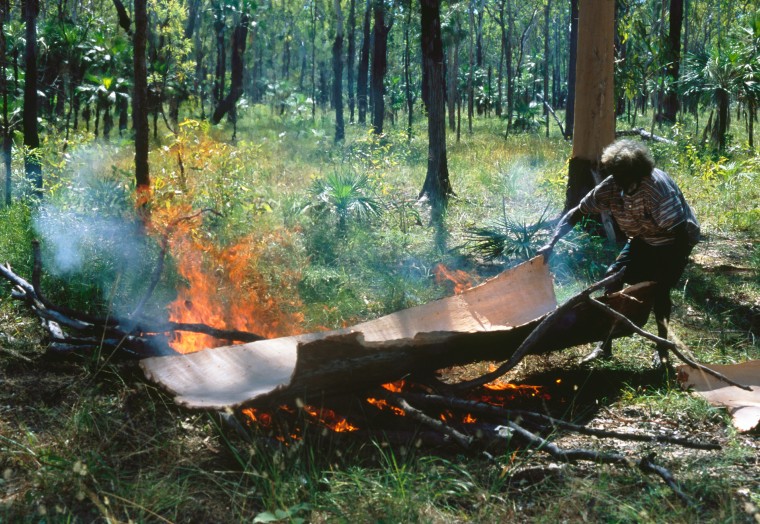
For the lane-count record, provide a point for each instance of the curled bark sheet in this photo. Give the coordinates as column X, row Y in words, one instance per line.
column 485, row 323
column 744, row 406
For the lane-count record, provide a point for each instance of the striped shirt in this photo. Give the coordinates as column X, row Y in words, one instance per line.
column 650, row 213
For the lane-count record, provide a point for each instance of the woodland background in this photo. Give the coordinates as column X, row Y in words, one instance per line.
column 306, row 166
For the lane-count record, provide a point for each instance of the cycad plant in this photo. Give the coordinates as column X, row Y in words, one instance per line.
column 346, row 196
column 508, row 238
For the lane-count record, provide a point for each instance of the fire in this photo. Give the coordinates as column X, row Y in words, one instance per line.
column 329, row 418
column 382, row 404
column 395, row 387
column 457, row 277
column 223, row 287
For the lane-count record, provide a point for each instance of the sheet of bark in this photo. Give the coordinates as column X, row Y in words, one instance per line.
column 486, row 314
column 744, row 406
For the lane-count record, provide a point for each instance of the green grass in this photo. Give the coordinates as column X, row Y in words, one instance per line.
column 85, row 440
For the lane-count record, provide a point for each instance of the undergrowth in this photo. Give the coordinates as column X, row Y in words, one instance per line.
column 89, row 440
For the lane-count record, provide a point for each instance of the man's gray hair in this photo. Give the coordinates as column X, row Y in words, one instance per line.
column 627, row 159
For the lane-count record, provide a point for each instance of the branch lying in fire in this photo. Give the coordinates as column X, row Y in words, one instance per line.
column 135, row 338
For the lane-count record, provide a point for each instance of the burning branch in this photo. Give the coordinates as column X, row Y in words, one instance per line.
column 132, row 337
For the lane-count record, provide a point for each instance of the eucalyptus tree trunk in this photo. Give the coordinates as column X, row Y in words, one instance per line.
column 594, row 97
column 547, row 32
column 453, row 92
column 140, row 99
column 227, row 105
column 470, row 84
column 340, row 132
column 437, row 186
column 379, row 65
column 7, row 142
column 350, row 60
column 407, row 72
column 221, row 54
column 508, row 58
column 673, row 48
column 31, row 135
column 363, row 74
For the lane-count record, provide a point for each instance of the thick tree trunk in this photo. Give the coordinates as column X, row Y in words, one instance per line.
column 340, row 132
column 227, row 106
column 594, row 125
column 140, row 99
column 673, row 46
column 718, row 136
column 363, row 74
column 31, row 134
column 437, row 186
column 7, row 142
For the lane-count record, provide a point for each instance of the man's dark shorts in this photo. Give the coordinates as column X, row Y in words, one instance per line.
column 642, row 262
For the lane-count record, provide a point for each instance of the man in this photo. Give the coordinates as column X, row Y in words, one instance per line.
column 652, row 212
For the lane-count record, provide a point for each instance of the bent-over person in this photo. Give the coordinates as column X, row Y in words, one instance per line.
column 650, row 209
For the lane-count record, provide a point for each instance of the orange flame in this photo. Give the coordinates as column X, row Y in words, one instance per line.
column 457, row 277
column 330, row 419
column 395, row 387
column 382, row 404
column 223, row 287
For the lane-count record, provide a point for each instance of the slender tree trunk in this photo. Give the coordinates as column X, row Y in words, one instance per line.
column 140, row 100
column 221, row 55
column 350, row 61
column 407, row 72
column 510, row 69
column 363, row 74
column 227, row 105
column 340, row 132
column 379, row 65
column 571, row 68
column 437, row 186
column 547, row 32
column 31, row 134
column 594, row 100
column 471, row 72
column 721, row 122
column 673, row 47
column 453, row 73
column 314, row 60
column 7, row 142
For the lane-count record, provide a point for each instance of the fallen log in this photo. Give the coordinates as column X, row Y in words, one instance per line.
column 485, row 323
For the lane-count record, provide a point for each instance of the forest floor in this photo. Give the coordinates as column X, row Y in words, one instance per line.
column 92, row 441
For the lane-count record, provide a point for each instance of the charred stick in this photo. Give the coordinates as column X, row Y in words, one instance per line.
column 528, row 344
column 645, row 464
column 672, row 346
column 483, row 408
column 441, row 427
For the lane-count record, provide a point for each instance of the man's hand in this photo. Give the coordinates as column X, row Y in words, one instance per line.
column 546, row 252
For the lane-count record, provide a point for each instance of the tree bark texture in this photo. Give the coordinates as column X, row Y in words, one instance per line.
column 572, row 60
column 350, row 61
column 340, row 132
column 363, row 74
column 31, row 106
column 379, row 65
column 140, row 97
column 594, row 124
column 437, row 186
column 670, row 102
column 239, row 37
